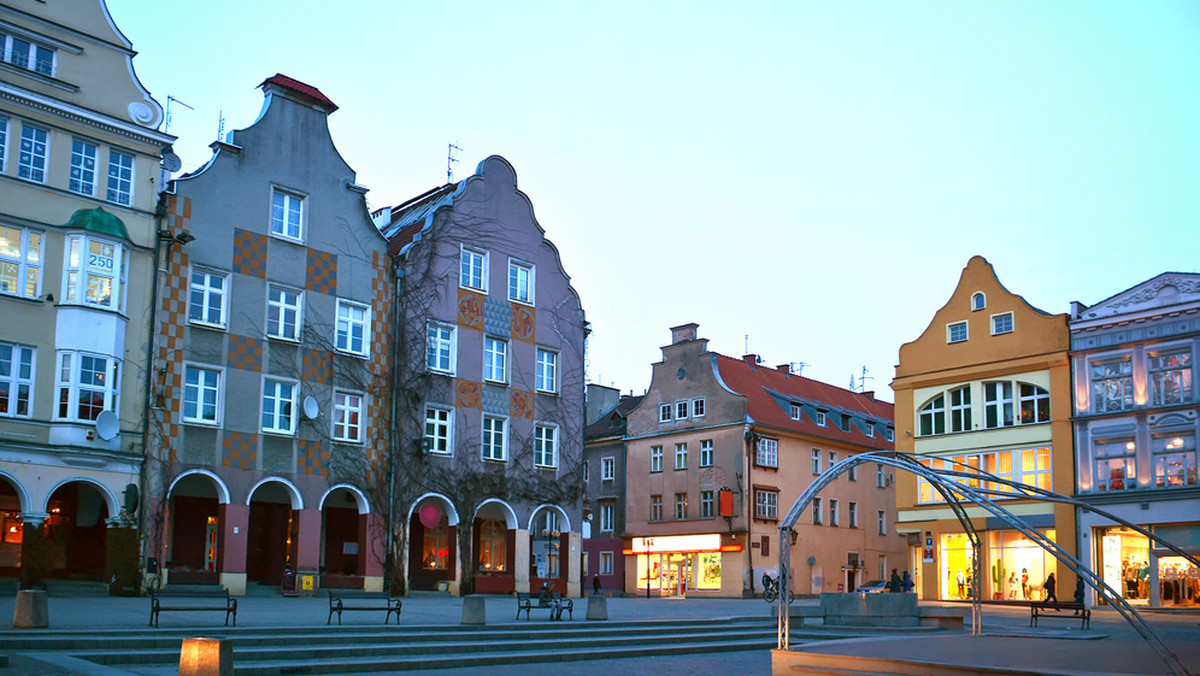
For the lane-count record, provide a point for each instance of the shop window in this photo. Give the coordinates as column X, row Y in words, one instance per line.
column 435, row 547
column 1170, row 377
column 1174, row 460
column 1116, row 466
column 493, row 546
column 1125, row 561
column 1112, row 385
column 1017, row 567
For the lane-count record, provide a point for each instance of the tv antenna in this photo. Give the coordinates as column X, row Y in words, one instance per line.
column 170, row 100
column 221, row 126
column 797, row 367
column 452, row 151
column 862, row 381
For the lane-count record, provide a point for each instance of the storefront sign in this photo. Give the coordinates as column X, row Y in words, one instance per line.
column 677, row 543
column 928, row 558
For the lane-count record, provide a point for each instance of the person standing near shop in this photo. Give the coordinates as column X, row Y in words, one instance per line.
column 1049, row 586
column 895, row 584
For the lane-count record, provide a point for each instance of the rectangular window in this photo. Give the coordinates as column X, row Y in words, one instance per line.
column 1170, row 377
column 520, row 282
column 816, row 511
column 440, row 348
column 816, row 461
column 31, row 160
column 997, row 405
column 587, row 473
column 94, row 272
column 932, row 418
column 351, row 332
column 681, row 410
column 545, row 446
column 283, row 313
column 698, row 407
column 16, row 379
column 608, row 469
column 664, row 413
column 870, row 430
column 120, row 177
column 852, row 514
column 20, row 262
column 607, row 512
column 880, row 477
column 656, row 458
column 766, row 505
column 890, row 434
column 473, row 269
column 278, row 406
column 767, row 453
column 495, row 438
column 202, row 395
column 3, row 133
column 656, row 508
column 83, row 168
column 706, row 504
column 852, row 473
column 680, row 456
column 87, row 385
column 1173, row 457
column 794, row 414
column 1116, row 466
column 287, row 215
column 207, row 297
column 832, row 459
column 1002, row 323
column 606, row 563
column 881, row 521
column 27, row 55
column 495, row 360
column 1112, row 385
column 956, row 332
column 681, row 506
column 348, row 416
column 820, row 418
column 546, row 377
column 439, row 430
column 833, row 512
column 960, row 410
column 706, row 452
column 1034, row 404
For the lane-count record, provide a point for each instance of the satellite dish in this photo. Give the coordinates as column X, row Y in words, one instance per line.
column 311, row 410
column 107, row 425
column 171, row 162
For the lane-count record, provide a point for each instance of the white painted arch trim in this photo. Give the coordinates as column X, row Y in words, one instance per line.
column 562, row 515
column 109, row 498
column 510, row 515
column 23, row 496
column 451, row 512
column 293, row 492
column 364, row 507
column 222, row 489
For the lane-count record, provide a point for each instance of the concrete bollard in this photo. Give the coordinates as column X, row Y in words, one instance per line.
column 206, row 657
column 474, row 610
column 32, row 611
column 597, row 608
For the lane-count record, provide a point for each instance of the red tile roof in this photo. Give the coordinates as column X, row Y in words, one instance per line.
column 305, row 90
column 770, row 393
column 406, row 220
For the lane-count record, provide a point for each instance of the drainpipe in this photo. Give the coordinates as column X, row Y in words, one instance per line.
column 390, row 556
column 747, row 505
column 160, row 211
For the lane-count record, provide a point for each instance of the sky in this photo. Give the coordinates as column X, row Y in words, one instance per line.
column 804, row 180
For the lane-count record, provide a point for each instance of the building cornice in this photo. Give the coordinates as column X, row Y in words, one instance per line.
column 82, row 116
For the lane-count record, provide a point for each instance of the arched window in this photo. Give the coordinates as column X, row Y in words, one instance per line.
column 1035, row 404
column 933, row 416
column 978, row 301
column 493, row 546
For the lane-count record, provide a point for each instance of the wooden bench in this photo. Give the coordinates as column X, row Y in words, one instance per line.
column 192, row 598
column 1043, row 610
column 526, row 602
column 341, row 600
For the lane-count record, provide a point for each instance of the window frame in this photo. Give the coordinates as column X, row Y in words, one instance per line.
column 494, row 372
column 358, row 425
column 999, row 404
column 794, row 412
column 683, row 409
column 681, row 453
column 3, row 138
column 282, row 307
column 608, row 517
column 959, row 409
column 852, row 514
column 540, row 442
column 546, row 382
column 708, row 504
column 681, row 506
column 881, row 521
column 283, row 231
column 666, row 412
column 998, row 326
column 79, row 164
column 815, row 460
column 834, row 516
column 698, row 407
column 766, row 452
column 978, row 301
column 70, row 364
column 37, row 167
column 217, row 388
column 606, row 563
column 282, row 409
column 1123, row 378
column 488, row 448
column 608, row 468
column 1180, row 374
column 468, row 255
column 78, row 292
column 32, row 61
column 707, row 451
column 25, row 262
column 821, row 419
column 121, row 178
column 438, row 438
column 656, row 459
column 656, row 507
column 952, row 337
column 1179, row 451
column 14, row 382
column 815, row 506
column 207, row 291
column 766, row 504
column 934, row 410
column 436, row 344
column 514, row 266
column 363, row 324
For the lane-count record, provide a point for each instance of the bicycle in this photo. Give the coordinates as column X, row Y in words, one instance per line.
column 771, row 590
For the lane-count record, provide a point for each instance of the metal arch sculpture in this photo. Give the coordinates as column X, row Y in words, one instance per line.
column 943, row 481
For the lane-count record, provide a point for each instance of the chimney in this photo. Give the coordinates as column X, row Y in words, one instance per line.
column 870, row 395
column 785, row 369
column 751, row 359
column 683, row 333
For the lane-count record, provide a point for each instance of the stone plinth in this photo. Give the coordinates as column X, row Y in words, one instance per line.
column 206, row 657
column 870, row 610
column 474, row 611
column 597, row 608
column 31, row 611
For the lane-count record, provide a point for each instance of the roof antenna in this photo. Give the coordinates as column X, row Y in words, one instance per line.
column 452, row 151
column 747, row 350
column 221, row 126
column 862, row 381
column 170, row 100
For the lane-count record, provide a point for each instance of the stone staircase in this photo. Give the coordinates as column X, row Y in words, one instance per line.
column 323, row 649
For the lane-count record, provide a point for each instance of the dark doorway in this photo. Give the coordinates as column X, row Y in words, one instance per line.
column 77, row 527
column 269, row 534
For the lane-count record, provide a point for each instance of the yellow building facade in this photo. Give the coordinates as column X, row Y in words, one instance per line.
column 986, row 386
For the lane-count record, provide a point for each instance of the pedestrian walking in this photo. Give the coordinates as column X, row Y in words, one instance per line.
column 907, row 582
column 1049, row 586
column 895, row 584
column 596, row 584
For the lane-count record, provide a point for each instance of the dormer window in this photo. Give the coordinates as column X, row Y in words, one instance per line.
column 820, row 418
column 978, row 301
column 845, row 423
column 795, row 413
column 664, row 413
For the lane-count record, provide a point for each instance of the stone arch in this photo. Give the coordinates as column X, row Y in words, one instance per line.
column 24, row 500
column 564, row 520
column 451, row 512
column 505, row 509
column 222, row 488
column 110, row 500
column 364, row 506
column 293, row 493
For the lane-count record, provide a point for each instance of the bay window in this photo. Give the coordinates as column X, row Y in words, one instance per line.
column 94, row 272
column 87, row 385
column 16, row 379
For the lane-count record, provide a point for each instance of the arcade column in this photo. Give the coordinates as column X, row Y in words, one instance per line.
column 234, row 522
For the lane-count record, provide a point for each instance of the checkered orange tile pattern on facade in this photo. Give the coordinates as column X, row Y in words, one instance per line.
column 322, row 272
column 245, row 353
column 250, row 253
column 239, row 450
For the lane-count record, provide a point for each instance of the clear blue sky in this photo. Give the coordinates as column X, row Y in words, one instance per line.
column 814, row 175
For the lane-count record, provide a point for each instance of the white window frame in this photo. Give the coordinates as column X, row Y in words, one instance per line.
column 766, row 452
column 277, row 328
column 77, row 273
column 881, row 521
column 207, row 291
column 832, row 459
column 349, row 416
column 210, row 382
column 34, row 59
column 545, row 445
column 698, row 407
column 656, row 507
column 85, row 155
column 681, row 409
column 18, row 384
column 121, row 168
column 489, row 448
column 869, row 429
column 1165, row 379
column 816, row 461
column 821, row 418
column 706, row 452
column 467, row 259
column 607, row 517
column 681, row 453
column 880, row 476
column 818, row 517
column 28, row 260
column 351, row 329
column 766, row 504
column 890, row 434
column 608, row 471
column 833, row 512
column 1036, row 396
column 951, row 331
column 932, row 416
column 439, row 430
column 998, row 324
column 794, row 413
column 281, row 395
column 978, row 301
column 3, row 139
column 33, row 154
column 681, row 506
column 71, row 388
column 606, row 563
column 283, row 204
column 441, row 345
column 495, row 359
column 999, row 401
column 665, row 412
column 852, row 515
column 656, row 458
column 546, row 374
column 708, row 503
column 515, row 267
column 1098, row 383
column 960, row 412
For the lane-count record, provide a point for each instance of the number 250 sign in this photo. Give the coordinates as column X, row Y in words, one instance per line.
column 101, row 262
